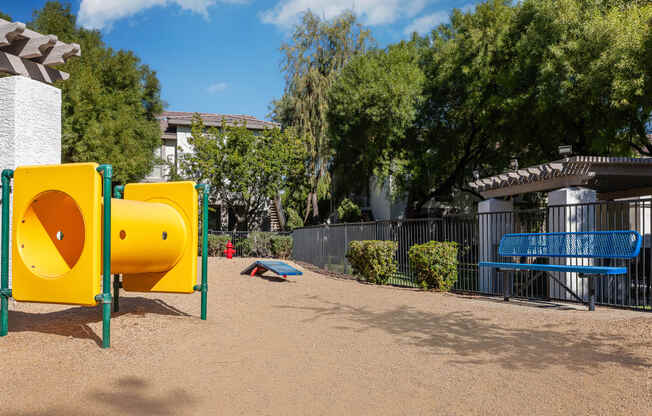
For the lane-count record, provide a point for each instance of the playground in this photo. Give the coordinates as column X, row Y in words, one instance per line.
column 313, row 344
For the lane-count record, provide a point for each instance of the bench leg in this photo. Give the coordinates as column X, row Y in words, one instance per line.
column 591, row 293
column 506, row 286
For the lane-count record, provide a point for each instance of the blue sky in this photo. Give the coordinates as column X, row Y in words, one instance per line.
column 222, row 56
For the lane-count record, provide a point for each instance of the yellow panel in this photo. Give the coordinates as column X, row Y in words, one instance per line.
column 56, row 247
column 182, row 196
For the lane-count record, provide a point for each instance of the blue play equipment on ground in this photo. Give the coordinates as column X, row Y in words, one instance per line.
column 596, row 244
column 280, row 268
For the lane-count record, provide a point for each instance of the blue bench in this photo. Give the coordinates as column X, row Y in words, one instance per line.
column 596, row 244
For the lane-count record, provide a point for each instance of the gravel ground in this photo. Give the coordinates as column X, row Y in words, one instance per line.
column 317, row 345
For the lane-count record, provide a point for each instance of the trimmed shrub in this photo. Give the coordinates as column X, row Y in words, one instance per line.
column 348, row 211
column 373, row 260
column 294, row 220
column 261, row 243
column 281, row 246
column 435, row 264
column 243, row 247
column 217, row 244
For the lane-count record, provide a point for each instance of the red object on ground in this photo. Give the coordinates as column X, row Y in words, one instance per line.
column 229, row 251
column 254, row 271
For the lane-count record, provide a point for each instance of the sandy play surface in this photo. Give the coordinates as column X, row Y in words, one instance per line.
column 322, row 346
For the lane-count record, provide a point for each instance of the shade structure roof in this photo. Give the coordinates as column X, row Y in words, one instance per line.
column 611, row 177
column 32, row 54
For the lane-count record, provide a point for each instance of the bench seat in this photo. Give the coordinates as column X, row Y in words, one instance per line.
column 605, row 270
column 625, row 244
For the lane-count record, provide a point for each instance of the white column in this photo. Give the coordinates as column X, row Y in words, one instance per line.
column 494, row 220
column 30, row 123
column 565, row 216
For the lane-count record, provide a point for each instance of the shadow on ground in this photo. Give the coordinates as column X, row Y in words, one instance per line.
column 129, row 396
column 73, row 322
column 468, row 338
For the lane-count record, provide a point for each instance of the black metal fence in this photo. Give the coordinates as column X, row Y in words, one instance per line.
column 478, row 237
column 236, row 237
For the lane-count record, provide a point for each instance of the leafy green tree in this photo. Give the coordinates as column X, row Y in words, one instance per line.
column 579, row 76
column 109, row 103
column 313, row 59
column 373, row 106
column 507, row 80
column 245, row 170
column 5, row 16
column 294, row 220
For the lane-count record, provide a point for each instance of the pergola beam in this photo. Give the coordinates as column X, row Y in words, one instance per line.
column 31, row 54
column 12, row 64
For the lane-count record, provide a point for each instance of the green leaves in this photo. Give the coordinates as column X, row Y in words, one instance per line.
column 245, row 169
column 109, row 103
column 372, row 108
column 435, row 264
column 507, row 80
column 348, row 211
column 313, row 59
column 373, row 260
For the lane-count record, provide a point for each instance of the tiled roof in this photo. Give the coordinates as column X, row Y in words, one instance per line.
column 183, row 118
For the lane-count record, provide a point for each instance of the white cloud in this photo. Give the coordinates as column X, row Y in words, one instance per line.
column 217, row 87
column 373, row 12
column 99, row 14
column 425, row 24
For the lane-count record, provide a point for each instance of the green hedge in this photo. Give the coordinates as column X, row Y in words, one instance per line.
column 261, row 243
column 281, row 246
column 216, row 244
column 435, row 264
column 373, row 260
column 257, row 244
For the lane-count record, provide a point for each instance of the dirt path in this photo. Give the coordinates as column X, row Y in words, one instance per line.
column 318, row 345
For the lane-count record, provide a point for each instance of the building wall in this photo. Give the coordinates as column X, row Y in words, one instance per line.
column 383, row 206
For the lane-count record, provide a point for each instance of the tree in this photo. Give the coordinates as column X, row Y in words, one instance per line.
column 5, row 16
column 373, row 106
column 110, row 102
column 508, row 80
column 579, row 76
column 463, row 105
column 245, row 170
column 318, row 51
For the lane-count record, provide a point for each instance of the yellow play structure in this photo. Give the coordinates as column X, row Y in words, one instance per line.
column 70, row 235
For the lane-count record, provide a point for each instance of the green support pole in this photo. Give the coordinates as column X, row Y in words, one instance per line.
column 204, row 250
column 5, row 293
column 117, row 193
column 105, row 296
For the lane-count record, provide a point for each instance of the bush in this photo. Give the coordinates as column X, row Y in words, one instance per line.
column 243, row 247
column 435, row 264
column 216, row 244
column 348, row 211
column 373, row 260
column 281, row 246
column 294, row 220
column 261, row 243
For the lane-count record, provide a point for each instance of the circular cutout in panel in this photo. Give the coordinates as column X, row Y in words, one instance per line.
column 40, row 234
column 123, row 234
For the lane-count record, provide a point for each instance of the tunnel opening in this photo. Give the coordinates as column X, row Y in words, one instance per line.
column 51, row 234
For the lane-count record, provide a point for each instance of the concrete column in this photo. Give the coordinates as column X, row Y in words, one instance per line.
column 565, row 216
column 495, row 219
column 30, row 123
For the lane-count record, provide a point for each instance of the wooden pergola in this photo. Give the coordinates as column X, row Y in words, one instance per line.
column 611, row 177
column 31, row 54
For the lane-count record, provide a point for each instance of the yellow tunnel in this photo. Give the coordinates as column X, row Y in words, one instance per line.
column 145, row 236
column 58, row 235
